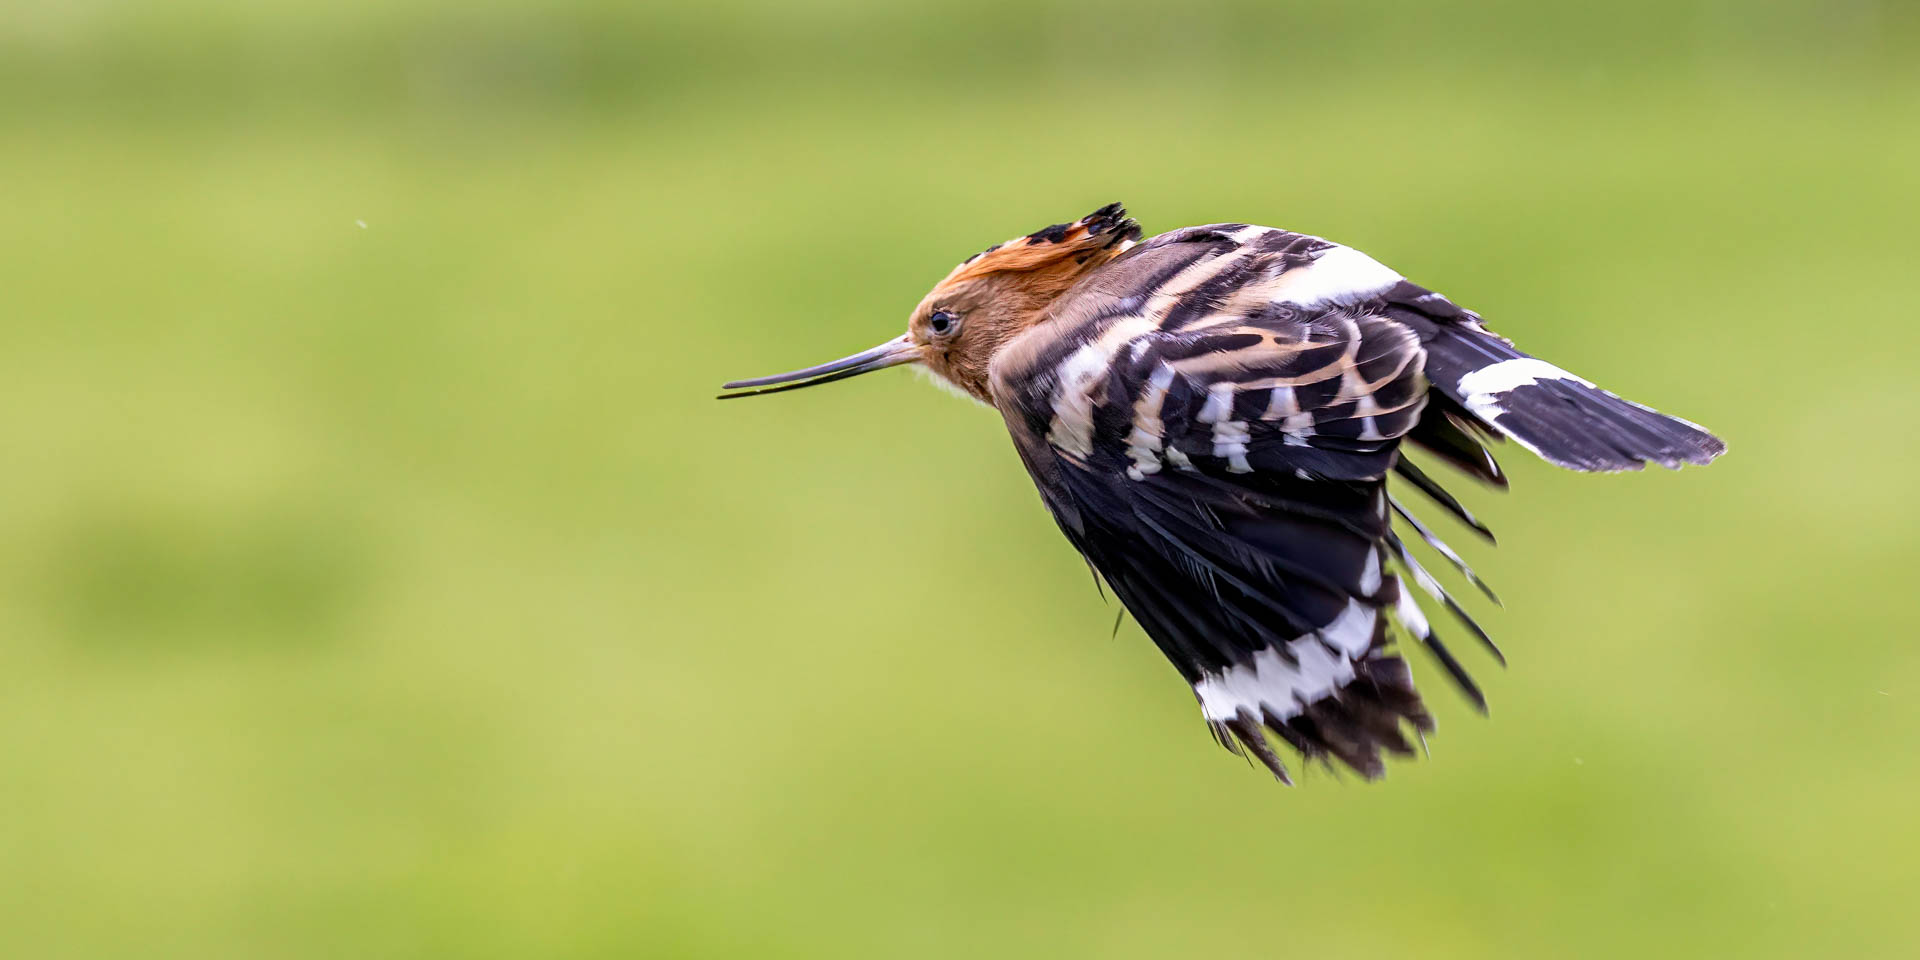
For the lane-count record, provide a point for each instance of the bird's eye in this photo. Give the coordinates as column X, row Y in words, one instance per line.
column 943, row 323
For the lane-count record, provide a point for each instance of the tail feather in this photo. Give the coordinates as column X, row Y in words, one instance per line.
column 1479, row 377
column 1562, row 417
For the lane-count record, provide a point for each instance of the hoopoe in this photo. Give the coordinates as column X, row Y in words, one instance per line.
column 1212, row 416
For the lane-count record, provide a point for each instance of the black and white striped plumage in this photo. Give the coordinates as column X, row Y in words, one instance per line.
column 1212, row 416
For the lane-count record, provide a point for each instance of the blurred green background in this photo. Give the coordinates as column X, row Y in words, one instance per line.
column 379, row 577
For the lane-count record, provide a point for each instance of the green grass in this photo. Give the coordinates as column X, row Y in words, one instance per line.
column 400, row 590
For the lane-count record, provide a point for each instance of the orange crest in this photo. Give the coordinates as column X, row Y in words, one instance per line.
column 1073, row 247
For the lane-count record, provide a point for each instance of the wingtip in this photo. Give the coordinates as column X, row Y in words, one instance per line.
column 1709, row 452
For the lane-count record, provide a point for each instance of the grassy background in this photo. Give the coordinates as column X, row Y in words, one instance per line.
column 379, row 579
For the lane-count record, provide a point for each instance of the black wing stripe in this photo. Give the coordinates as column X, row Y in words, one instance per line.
column 1217, row 564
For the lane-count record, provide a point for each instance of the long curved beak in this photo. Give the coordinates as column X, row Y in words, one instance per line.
column 893, row 353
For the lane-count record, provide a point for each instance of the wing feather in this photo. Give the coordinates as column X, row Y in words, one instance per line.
column 1212, row 419
column 1220, row 455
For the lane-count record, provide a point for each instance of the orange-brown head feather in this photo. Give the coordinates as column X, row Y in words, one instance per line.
column 988, row 300
column 995, row 295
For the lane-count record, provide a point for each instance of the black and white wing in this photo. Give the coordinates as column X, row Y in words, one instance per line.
column 1212, row 420
column 1217, row 447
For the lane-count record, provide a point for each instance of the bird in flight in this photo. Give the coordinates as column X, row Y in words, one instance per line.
column 1214, row 415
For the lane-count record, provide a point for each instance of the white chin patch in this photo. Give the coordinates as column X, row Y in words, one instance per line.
column 1482, row 389
column 1341, row 275
column 945, row 384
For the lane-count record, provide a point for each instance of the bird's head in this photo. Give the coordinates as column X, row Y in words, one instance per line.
column 990, row 298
